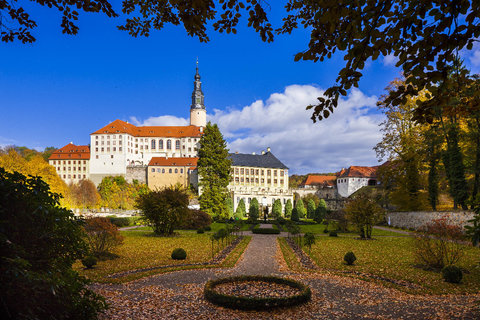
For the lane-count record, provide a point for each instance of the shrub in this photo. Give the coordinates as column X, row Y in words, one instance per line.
column 349, row 258
column 256, row 303
column 333, row 234
column 89, row 261
column 195, row 219
column 179, row 254
column 300, row 209
column 122, row 221
column 326, row 230
column 364, row 212
column 265, row 231
column 102, row 236
column 309, row 240
column 295, row 216
column 164, row 210
column 437, row 244
column 452, row 274
column 200, row 230
column 208, row 228
column 253, row 210
column 39, row 243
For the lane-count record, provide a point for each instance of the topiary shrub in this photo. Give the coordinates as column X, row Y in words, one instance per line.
column 452, row 274
column 326, row 230
column 200, row 230
column 207, row 228
column 333, row 234
column 265, row 231
column 89, row 261
column 179, row 254
column 349, row 258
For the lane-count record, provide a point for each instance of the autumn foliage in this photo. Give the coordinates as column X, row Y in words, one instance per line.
column 102, row 236
column 437, row 244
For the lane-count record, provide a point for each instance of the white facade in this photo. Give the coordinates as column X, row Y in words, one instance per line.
column 198, row 117
column 348, row 185
column 112, row 153
column 71, row 170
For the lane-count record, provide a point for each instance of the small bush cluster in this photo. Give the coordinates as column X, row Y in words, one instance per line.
column 437, row 244
column 194, row 220
column 452, row 274
column 199, row 231
column 349, row 258
column 179, row 254
column 333, row 234
column 89, row 261
column 265, row 231
column 254, row 303
column 207, row 228
column 121, row 222
column 102, row 236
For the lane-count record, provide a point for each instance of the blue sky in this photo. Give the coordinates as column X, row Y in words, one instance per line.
column 62, row 88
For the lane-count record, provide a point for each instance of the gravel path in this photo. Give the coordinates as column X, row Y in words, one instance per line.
column 179, row 295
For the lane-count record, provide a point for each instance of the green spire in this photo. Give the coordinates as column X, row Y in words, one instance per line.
column 197, row 95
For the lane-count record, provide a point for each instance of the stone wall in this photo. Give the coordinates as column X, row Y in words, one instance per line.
column 417, row 219
column 136, row 173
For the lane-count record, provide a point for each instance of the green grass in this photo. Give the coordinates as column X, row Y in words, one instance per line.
column 393, row 258
column 233, row 257
column 289, row 256
column 217, row 226
column 142, row 249
column 319, row 228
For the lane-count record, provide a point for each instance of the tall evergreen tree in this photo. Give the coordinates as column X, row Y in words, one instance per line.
column 241, row 210
column 229, row 203
column 288, row 208
column 300, row 208
column 320, row 212
column 253, row 210
column 277, row 209
column 310, row 209
column 214, row 172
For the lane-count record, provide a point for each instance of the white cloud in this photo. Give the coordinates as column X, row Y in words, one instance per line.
column 390, row 60
column 281, row 122
column 4, row 142
column 160, row 121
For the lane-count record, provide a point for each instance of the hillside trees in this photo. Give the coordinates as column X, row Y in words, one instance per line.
column 117, row 193
column 214, row 172
column 39, row 242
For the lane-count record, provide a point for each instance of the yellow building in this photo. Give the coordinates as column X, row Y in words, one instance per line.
column 164, row 172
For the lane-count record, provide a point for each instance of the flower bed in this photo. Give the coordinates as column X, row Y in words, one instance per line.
column 256, row 292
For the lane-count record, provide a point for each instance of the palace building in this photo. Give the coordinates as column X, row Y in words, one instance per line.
column 71, row 162
column 260, row 176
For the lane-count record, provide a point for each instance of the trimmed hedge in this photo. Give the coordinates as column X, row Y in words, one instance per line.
column 265, row 231
column 249, row 303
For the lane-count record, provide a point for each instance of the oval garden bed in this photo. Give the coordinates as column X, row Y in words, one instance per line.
column 256, row 292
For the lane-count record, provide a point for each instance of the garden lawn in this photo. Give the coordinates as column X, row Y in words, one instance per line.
column 393, row 258
column 142, row 249
column 219, row 225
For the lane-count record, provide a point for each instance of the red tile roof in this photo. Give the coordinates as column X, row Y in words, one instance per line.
column 71, row 151
column 324, row 180
column 359, row 172
column 119, row 126
column 170, row 162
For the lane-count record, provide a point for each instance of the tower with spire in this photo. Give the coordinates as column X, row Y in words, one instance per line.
column 198, row 113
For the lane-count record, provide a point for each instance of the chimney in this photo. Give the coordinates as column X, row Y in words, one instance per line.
column 263, row 152
column 268, row 149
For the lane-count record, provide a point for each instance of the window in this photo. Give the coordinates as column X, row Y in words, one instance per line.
column 84, row 168
column 263, row 180
column 96, row 143
column 103, row 149
column 96, row 149
column 236, row 179
column 177, row 144
column 96, row 157
column 256, row 180
column 96, row 137
column 269, row 181
column 281, row 173
column 269, row 172
column 68, row 161
column 111, row 156
column 169, row 144
column 236, row 170
column 246, row 171
column 241, row 179
column 153, row 169
column 281, row 181
column 65, row 169
column 114, row 149
column 160, row 144
column 275, row 173
column 189, row 149
column 120, row 149
column 169, row 170
column 263, row 172
column 247, row 180
column 84, row 161
column 176, row 170
column 241, row 171
column 275, row 181
column 158, row 170
column 108, row 143
column 114, row 142
column 181, row 170
column 120, row 142
column 163, row 170
column 108, row 149
column 256, row 172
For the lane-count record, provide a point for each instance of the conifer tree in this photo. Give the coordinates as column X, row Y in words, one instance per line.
column 214, row 172
column 253, row 209
column 230, row 207
column 300, row 208
column 241, row 210
column 320, row 211
column 288, row 208
column 277, row 209
column 310, row 209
